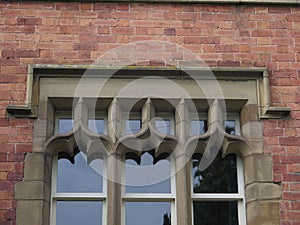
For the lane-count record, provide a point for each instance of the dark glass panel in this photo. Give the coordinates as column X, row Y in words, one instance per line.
column 146, row 177
column 219, row 177
column 79, row 177
column 78, row 213
column 230, row 127
column 148, row 213
column 215, row 213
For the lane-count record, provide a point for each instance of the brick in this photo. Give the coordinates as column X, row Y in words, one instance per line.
column 67, row 6
column 28, row 53
column 279, row 9
column 262, row 33
column 293, row 17
column 29, row 21
column 5, row 204
column 289, row 141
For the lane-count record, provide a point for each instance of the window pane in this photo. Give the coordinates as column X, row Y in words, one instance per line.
column 198, row 127
column 146, row 177
column 78, row 213
column 215, row 213
column 148, row 213
column 132, row 126
column 79, row 177
column 230, row 127
column 65, row 125
column 163, row 126
column 96, row 125
column 219, row 177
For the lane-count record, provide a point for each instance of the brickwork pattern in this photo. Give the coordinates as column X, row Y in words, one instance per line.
column 222, row 35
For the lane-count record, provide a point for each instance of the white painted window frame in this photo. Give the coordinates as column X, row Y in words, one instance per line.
column 240, row 196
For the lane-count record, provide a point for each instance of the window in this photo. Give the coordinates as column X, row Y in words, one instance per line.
column 164, row 124
column 78, row 187
column 149, row 181
column 148, row 196
column 218, row 190
column 198, row 124
column 111, row 204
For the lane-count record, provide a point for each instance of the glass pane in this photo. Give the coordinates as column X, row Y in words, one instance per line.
column 148, row 213
column 230, row 127
column 132, row 126
column 198, row 127
column 79, row 177
column 219, row 177
column 65, row 125
column 78, row 213
column 215, row 213
column 163, row 126
column 146, row 177
column 96, row 125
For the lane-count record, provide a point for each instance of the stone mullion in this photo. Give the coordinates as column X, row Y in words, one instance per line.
column 183, row 193
column 215, row 117
column 80, row 113
column 114, row 122
column 114, row 189
column 183, row 189
column 148, row 113
column 182, row 121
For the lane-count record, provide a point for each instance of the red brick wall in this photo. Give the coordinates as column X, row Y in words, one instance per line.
column 74, row 33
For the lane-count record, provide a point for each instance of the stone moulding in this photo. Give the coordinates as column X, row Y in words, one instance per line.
column 37, row 71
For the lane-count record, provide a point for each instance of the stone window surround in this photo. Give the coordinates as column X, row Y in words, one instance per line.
column 262, row 195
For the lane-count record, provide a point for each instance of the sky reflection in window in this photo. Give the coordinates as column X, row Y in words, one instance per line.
column 79, row 213
column 146, row 177
column 148, row 213
column 79, row 177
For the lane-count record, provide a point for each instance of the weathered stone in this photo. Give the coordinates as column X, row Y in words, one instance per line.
column 263, row 213
column 37, row 167
column 258, row 168
column 263, row 191
column 249, row 113
column 32, row 190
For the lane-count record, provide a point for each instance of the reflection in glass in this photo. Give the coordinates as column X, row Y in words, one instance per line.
column 96, row 125
column 163, row 125
column 215, row 213
column 65, row 125
column 78, row 213
column 79, row 177
column 198, row 127
column 148, row 213
column 219, row 177
column 230, row 127
column 146, row 177
column 132, row 126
